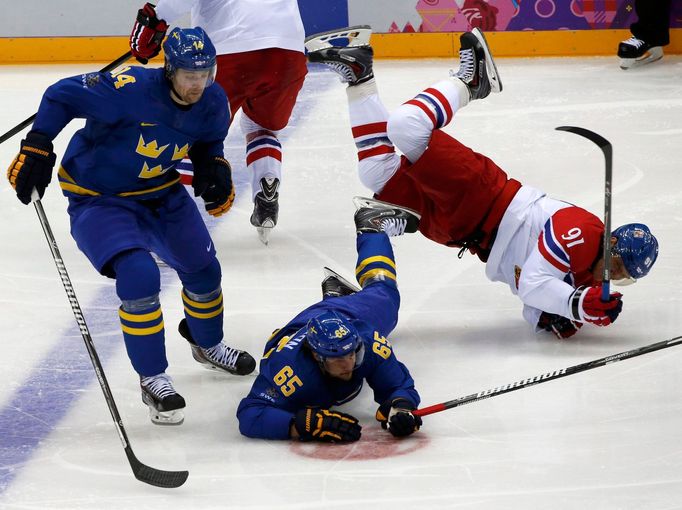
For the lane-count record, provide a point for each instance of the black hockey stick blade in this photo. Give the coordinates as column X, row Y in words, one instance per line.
column 19, row 127
column 590, row 135
column 156, row 477
column 607, row 150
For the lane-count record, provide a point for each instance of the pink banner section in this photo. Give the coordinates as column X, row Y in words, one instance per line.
column 514, row 15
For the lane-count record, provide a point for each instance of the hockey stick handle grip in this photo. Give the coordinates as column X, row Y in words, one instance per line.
column 19, row 127
column 549, row 376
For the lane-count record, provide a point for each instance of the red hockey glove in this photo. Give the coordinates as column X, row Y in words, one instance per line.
column 326, row 426
column 587, row 306
column 147, row 35
column 562, row 327
column 32, row 168
column 396, row 416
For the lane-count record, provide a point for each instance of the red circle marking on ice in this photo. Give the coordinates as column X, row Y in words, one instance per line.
column 374, row 444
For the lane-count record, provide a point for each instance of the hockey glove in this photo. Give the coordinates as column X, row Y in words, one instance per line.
column 562, row 327
column 32, row 168
column 213, row 182
column 326, row 426
column 587, row 306
column 396, row 416
column 147, row 35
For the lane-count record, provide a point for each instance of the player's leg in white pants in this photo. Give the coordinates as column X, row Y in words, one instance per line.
column 410, row 126
column 377, row 159
column 263, row 153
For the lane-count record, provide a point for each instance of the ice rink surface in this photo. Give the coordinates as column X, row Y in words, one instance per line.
column 610, row 438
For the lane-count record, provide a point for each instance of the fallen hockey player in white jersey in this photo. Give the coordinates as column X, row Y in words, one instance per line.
column 549, row 252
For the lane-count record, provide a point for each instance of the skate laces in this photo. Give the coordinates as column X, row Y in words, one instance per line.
column 633, row 41
column 346, row 73
column 161, row 385
column 393, row 226
column 223, row 355
column 467, row 65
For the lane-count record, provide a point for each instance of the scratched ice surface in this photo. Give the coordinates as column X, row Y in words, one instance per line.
column 608, row 438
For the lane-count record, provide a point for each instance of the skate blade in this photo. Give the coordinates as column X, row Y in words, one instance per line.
column 166, row 418
column 357, row 36
column 363, row 202
column 654, row 54
column 493, row 75
column 264, row 234
column 330, row 272
column 264, row 231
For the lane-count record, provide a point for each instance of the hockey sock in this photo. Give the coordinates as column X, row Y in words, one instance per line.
column 263, row 153
column 204, row 314
column 375, row 260
column 138, row 283
column 143, row 333
column 202, row 299
column 410, row 125
column 377, row 160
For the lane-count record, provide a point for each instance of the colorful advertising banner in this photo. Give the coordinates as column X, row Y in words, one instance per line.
column 496, row 15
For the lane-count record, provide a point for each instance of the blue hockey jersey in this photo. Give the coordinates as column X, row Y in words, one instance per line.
column 290, row 379
column 134, row 134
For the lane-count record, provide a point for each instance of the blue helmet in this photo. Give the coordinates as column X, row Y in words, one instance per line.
column 638, row 248
column 331, row 335
column 189, row 49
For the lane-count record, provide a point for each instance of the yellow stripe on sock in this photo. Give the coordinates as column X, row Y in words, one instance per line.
column 208, row 315
column 142, row 331
column 375, row 272
column 369, row 260
column 146, row 317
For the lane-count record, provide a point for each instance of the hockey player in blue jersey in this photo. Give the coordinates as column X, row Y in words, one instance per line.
column 125, row 199
column 321, row 357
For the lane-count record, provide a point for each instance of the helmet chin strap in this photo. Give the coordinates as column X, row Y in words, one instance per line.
column 175, row 96
column 624, row 282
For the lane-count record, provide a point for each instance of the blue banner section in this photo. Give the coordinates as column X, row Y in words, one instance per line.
column 320, row 16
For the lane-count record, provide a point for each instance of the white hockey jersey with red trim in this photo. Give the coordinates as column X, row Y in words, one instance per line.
column 543, row 250
column 236, row 26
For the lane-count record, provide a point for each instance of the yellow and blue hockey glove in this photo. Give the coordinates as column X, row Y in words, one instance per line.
column 326, row 426
column 32, row 168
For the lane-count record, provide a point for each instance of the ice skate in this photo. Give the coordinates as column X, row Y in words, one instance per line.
column 335, row 285
column 377, row 216
column 352, row 61
column 477, row 68
column 357, row 35
column 219, row 357
column 634, row 52
column 165, row 404
column 266, row 208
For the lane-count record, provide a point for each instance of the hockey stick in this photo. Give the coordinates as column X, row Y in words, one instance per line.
column 549, row 376
column 144, row 473
column 29, row 121
column 607, row 149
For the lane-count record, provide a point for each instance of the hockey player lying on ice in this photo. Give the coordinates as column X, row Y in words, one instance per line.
column 322, row 356
column 549, row 252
